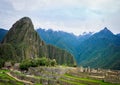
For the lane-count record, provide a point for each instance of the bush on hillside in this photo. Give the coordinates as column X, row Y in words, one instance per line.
column 24, row 65
column 53, row 62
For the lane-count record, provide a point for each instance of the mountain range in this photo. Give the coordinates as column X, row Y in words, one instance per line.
column 88, row 49
column 22, row 42
column 101, row 50
column 95, row 50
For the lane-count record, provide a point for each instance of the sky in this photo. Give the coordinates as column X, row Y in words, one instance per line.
column 73, row 16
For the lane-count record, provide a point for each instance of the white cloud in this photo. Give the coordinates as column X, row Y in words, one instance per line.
column 68, row 15
column 53, row 4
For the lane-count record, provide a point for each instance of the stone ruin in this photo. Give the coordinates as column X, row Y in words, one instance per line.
column 106, row 75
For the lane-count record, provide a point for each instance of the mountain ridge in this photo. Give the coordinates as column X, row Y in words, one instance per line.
column 100, row 48
column 89, row 49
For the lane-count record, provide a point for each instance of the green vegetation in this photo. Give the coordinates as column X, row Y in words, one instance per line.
column 1, row 63
column 38, row 84
column 37, row 62
column 66, row 79
column 62, row 57
column 71, row 82
column 89, row 49
column 76, row 80
column 7, row 80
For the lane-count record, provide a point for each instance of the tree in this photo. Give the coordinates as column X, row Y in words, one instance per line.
column 53, row 62
column 24, row 65
column 1, row 63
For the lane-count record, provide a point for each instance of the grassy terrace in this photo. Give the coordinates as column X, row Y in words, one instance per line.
column 75, row 80
column 66, row 79
column 40, row 78
column 7, row 80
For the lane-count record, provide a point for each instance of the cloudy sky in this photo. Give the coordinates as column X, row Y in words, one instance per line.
column 74, row 16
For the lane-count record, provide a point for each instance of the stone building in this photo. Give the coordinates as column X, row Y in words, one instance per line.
column 8, row 65
column 16, row 66
column 81, row 69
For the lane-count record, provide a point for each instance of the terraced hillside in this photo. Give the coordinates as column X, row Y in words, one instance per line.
column 82, row 79
column 69, row 79
column 7, row 80
column 67, row 76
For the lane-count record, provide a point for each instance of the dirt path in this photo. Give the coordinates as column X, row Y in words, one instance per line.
column 28, row 82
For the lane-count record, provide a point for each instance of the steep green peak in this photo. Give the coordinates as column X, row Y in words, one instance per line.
column 23, row 23
column 21, row 31
column 26, row 18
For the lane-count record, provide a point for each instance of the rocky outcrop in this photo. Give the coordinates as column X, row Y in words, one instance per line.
column 23, row 41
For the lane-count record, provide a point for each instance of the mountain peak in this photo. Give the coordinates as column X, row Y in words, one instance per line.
column 23, row 26
column 22, row 22
column 106, row 31
column 26, row 18
column 105, row 28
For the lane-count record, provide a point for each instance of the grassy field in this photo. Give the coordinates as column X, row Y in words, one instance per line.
column 7, row 80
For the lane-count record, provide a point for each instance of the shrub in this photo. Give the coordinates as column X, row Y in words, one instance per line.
column 53, row 62
column 43, row 61
column 24, row 65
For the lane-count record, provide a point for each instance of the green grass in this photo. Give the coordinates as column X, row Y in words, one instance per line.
column 7, row 80
column 35, row 77
column 71, row 82
column 100, row 82
column 38, row 84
